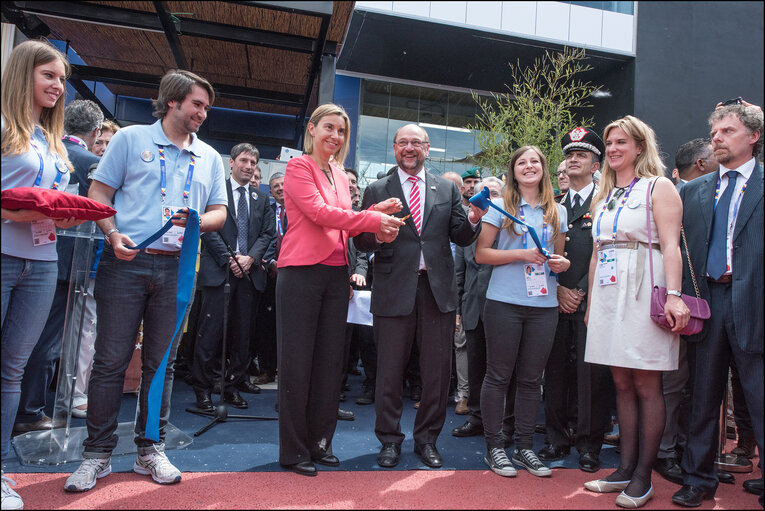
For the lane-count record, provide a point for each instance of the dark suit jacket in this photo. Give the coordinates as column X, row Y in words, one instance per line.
column 472, row 283
column 396, row 263
column 81, row 160
column 213, row 263
column 578, row 248
column 698, row 210
column 273, row 248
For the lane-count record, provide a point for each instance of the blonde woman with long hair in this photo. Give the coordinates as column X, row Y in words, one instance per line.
column 521, row 309
column 33, row 155
column 313, row 287
column 620, row 332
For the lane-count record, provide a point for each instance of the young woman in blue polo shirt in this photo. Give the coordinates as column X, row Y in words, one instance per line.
column 521, row 310
column 33, row 155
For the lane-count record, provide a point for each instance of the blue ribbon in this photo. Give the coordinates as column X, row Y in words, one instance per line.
column 184, row 290
column 483, row 201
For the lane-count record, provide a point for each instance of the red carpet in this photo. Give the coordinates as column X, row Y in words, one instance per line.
column 417, row 489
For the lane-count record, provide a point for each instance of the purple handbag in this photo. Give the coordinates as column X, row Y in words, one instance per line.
column 698, row 306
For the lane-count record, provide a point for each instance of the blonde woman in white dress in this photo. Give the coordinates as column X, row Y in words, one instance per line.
column 620, row 332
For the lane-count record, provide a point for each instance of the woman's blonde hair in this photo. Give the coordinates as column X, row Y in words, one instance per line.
column 18, row 99
column 546, row 194
column 323, row 111
column 647, row 164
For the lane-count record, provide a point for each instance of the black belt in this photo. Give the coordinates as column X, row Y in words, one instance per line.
column 423, row 271
column 724, row 279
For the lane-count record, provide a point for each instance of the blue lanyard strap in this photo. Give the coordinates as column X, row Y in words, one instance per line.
column 60, row 168
column 618, row 211
column 526, row 229
column 184, row 290
column 163, row 176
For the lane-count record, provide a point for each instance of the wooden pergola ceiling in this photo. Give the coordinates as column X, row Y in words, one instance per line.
column 259, row 56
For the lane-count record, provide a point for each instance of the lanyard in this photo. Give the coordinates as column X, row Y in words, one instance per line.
column 526, row 229
column 163, row 176
column 74, row 140
column 618, row 211
column 740, row 197
column 60, row 168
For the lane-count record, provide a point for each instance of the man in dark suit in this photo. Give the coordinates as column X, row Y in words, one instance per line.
column 693, row 159
column 723, row 219
column 248, row 231
column 415, row 293
column 264, row 337
column 571, row 384
column 82, row 123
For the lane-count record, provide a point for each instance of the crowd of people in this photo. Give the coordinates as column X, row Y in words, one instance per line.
column 536, row 291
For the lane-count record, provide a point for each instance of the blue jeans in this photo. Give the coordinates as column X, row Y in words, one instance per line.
column 27, row 293
column 126, row 293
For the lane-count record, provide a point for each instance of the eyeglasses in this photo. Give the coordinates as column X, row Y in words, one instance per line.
column 415, row 143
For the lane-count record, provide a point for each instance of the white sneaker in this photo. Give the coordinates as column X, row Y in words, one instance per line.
column 91, row 469
column 10, row 499
column 80, row 413
column 157, row 466
column 497, row 460
column 527, row 459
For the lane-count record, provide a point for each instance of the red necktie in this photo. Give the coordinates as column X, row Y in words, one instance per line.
column 415, row 205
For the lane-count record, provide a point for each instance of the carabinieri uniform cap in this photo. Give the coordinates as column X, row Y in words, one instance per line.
column 583, row 139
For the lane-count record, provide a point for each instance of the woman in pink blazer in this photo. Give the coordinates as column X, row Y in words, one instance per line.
column 312, row 289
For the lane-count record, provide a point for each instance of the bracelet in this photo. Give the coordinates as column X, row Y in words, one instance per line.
column 109, row 233
column 674, row 292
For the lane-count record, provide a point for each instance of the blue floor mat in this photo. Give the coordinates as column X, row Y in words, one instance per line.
column 252, row 446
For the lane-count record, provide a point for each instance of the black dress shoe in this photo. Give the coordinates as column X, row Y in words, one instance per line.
column 204, row 401
column 343, row 397
column 468, row 429
column 691, row 496
column 389, row 454
column 553, row 452
column 429, row 455
column 669, row 469
column 589, row 462
column 304, row 468
column 264, row 378
column 329, row 460
column 367, row 397
column 248, row 387
column 232, row 397
column 345, row 415
column 753, row 486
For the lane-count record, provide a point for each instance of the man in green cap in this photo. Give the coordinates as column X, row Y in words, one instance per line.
column 470, row 178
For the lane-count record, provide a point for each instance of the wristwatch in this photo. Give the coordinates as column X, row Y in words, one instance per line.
column 674, row 292
column 109, row 233
column 580, row 292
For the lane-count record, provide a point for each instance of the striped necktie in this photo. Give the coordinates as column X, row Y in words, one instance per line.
column 415, row 204
column 241, row 220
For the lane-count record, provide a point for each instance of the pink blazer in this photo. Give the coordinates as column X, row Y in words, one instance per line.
column 316, row 216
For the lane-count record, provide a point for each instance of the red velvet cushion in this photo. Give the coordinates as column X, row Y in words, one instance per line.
column 55, row 203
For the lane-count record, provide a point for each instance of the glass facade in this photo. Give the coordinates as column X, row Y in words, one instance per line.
column 620, row 7
column 385, row 107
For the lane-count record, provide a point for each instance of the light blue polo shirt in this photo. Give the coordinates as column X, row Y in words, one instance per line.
column 507, row 283
column 131, row 165
column 21, row 170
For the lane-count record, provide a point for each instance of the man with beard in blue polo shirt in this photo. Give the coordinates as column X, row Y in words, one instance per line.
column 149, row 173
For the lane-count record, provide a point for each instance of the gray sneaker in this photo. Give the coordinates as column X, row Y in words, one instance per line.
column 527, row 459
column 84, row 478
column 157, row 466
column 497, row 460
column 10, row 499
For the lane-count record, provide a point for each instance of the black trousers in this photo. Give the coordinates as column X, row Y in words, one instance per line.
column 264, row 336
column 568, row 377
column 433, row 332
column 243, row 301
column 476, row 353
column 311, row 312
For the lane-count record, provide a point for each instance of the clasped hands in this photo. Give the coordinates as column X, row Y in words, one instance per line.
column 389, row 224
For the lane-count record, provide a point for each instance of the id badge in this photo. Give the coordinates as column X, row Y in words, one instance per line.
column 43, row 232
column 607, row 266
column 174, row 236
column 536, row 280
